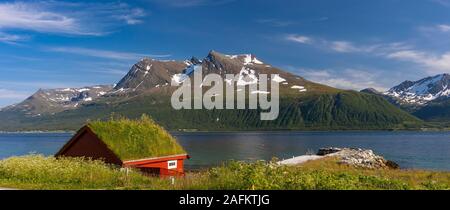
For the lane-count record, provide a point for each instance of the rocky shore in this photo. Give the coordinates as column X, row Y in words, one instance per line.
column 357, row 157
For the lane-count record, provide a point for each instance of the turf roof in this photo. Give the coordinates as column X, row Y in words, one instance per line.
column 136, row 139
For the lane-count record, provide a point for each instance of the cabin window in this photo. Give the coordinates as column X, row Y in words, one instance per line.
column 171, row 164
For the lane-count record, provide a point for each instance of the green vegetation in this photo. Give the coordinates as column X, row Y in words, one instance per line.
column 38, row 172
column 136, row 139
column 438, row 111
column 344, row 110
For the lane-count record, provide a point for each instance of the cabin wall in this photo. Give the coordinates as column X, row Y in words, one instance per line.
column 88, row 145
column 163, row 168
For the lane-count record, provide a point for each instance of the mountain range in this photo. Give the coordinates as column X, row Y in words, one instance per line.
column 52, row 101
column 427, row 98
column 304, row 105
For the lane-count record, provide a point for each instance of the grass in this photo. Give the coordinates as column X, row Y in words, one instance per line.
column 136, row 139
column 39, row 172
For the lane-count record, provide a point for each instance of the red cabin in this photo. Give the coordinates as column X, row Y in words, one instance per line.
column 147, row 147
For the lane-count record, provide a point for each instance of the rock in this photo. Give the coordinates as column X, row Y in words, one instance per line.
column 356, row 157
column 359, row 158
column 392, row 165
column 327, row 151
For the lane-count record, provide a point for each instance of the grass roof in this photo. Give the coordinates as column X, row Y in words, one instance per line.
column 136, row 139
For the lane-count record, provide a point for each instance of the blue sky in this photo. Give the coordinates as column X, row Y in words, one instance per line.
column 349, row 44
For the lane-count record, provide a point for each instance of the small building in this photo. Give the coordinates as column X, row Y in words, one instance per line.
column 139, row 144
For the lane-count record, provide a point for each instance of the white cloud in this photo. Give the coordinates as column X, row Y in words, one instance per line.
column 349, row 79
column 103, row 53
column 111, row 71
column 132, row 18
column 13, row 94
column 344, row 47
column 11, row 38
column 90, row 19
column 315, row 73
column 191, row 3
column 275, row 22
column 29, row 17
column 21, row 15
column 386, row 50
column 444, row 27
column 374, row 49
column 432, row 63
column 435, row 64
column 27, row 86
column 433, row 29
column 8, row 97
column 445, row 3
column 299, row 39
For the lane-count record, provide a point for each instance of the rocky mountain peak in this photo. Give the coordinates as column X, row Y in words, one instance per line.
column 422, row 91
column 244, row 59
column 150, row 73
column 195, row 61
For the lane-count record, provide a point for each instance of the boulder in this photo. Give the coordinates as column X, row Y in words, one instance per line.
column 328, row 150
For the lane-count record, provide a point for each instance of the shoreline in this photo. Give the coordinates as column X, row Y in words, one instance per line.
column 241, row 131
column 295, row 160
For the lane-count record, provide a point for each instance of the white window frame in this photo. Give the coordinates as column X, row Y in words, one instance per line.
column 175, row 162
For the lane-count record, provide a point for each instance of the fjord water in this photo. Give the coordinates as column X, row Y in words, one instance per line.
column 421, row 150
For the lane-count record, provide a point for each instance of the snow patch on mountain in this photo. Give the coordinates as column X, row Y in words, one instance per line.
column 278, row 79
column 247, row 77
column 300, row 88
column 260, row 92
column 422, row 91
column 247, row 59
column 62, row 95
column 83, row 90
column 179, row 78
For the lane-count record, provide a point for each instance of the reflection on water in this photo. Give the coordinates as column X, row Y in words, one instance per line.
column 409, row 149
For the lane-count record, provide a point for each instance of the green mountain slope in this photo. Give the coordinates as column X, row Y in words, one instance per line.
column 304, row 105
column 438, row 111
column 342, row 110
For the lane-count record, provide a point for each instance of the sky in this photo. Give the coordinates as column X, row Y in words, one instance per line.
column 349, row 44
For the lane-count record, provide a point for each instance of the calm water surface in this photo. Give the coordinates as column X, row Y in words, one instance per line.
column 425, row 150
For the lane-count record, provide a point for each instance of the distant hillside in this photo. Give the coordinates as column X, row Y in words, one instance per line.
column 438, row 110
column 304, row 105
